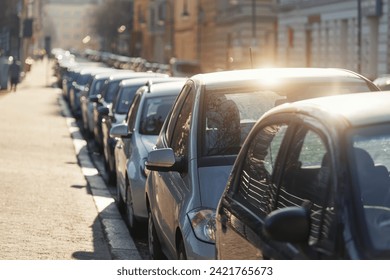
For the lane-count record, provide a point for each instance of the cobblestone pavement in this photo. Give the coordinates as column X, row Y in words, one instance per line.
column 46, row 207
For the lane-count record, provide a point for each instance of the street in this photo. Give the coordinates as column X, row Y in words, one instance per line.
column 54, row 203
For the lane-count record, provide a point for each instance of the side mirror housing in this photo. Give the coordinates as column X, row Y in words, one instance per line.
column 163, row 160
column 103, row 111
column 290, row 224
column 120, row 130
column 94, row 98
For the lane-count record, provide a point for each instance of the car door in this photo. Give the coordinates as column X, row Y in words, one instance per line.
column 173, row 187
column 125, row 145
column 285, row 163
column 250, row 195
column 307, row 179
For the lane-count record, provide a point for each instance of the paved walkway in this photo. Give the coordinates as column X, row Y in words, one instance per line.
column 50, row 208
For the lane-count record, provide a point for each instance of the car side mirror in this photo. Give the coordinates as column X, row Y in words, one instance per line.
column 120, row 130
column 290, row 224
column 163, row 160
column 103, row 111
column 94, row 98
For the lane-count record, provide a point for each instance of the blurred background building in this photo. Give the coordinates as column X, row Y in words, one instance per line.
column 217, row 34
column 71, row 23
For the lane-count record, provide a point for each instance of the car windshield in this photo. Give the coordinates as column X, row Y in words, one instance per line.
column 83, row 79
column 370, row 164
column 96, row 86
column 110, row 91
column 124, row 99
column 231, row 113
column 154, row 112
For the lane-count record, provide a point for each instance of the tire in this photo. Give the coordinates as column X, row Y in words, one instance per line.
column 153, row 241
column 134, row 225
column 181, row 251
column 119, row 199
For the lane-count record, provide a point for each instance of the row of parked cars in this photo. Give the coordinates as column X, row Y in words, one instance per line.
column 245, row 164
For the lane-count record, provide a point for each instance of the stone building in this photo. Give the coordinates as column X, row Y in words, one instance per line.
column 351, row 34
column 219, row 34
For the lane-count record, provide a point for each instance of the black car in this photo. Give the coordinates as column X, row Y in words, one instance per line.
column 311, row 182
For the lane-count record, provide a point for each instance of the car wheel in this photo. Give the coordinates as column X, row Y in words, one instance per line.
column 134, row 225
column 111, row 170
column 181, row 251
column 153, row 242
column 119, row 199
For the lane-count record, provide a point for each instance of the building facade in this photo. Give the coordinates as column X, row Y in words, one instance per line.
column 351, row 34
column 217, row 34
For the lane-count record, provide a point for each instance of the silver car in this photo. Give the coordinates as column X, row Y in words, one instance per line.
column 199, row 142
column 135, row 138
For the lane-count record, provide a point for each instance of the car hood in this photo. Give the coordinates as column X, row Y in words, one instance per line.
column 212, row 183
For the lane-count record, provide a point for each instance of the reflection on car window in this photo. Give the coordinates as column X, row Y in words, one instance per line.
column 182, row 128
column 312, row 151
column 124, row 100
column 154, row 112
column 256, row 186
column 110, row 91
column 96, row 86
column 306, row 182
column 229, row 116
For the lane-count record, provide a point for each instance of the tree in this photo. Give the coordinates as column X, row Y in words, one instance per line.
column 109, row 17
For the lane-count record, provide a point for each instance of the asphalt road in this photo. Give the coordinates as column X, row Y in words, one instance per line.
column 54, row 203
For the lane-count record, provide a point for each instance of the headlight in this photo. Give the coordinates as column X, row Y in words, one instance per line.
column 203, row 224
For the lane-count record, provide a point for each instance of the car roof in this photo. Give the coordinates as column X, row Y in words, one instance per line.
column 357, row 109
column 144, row 79
column 274, row 75
column 106, row 75
column 165, row 89
column 91, row 70
column 131, row 75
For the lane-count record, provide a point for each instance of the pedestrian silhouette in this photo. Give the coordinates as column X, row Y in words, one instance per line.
column 14, row 74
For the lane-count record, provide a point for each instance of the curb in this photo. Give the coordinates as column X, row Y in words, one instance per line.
column 121, row 245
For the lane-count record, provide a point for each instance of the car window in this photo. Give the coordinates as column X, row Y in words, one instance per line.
column 180, row 135
column 153, row 115
column 256, row 188
column 370, row 164
column 110, row 91
column 176, row 110
column 96, row 86
column 229, row 115
column 307, row 181
column 132, row 114
column 124, row 99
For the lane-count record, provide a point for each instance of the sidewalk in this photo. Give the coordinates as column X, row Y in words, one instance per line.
column 54, row 204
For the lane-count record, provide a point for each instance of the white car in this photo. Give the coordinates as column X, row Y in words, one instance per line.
column 135, row 138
